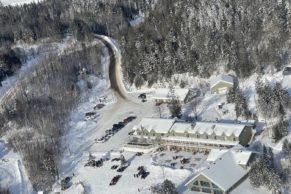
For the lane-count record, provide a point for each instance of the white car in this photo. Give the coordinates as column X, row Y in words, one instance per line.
column 100, row 140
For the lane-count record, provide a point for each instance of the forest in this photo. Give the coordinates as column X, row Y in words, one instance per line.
column 176, row 36
column 35, row 119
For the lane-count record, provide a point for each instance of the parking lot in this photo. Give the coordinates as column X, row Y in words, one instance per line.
column 139, row 175
column 179, row 159
column 115, row 128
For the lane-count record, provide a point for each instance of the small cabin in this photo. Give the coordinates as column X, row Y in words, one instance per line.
column 287, row 71
column 221, row 84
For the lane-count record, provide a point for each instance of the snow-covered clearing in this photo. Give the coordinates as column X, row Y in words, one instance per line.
column 12, row 172
column 17, row 2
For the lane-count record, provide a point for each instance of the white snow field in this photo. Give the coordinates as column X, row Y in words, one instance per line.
column 12, row 172
column 17, row 2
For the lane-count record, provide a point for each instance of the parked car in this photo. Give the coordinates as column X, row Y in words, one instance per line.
column 100, row 140
column 131, row 133
column 118, row 126
column 115, row 159
column 65, row 183
column 142, row 96
column 287, row 71
column 99, row 106
column 121, row 169
column 139, row 154
column 114, row 167
column 90, row 115
column 131, row 118
column 114, row 180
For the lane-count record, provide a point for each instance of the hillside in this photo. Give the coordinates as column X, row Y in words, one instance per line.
column 86, row 87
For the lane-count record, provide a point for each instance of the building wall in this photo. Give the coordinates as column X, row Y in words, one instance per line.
column 204, row 179
column 221, row 84
column 246, row 136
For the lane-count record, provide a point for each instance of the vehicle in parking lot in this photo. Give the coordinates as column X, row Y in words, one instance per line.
column 142, row 96
column 122, row 168
column 100, row 140
column 118, row 126
column 90, row 116
column 99, row 106
column 114, row 180
column 114, row 167
column 131, row 133
column 115, row 159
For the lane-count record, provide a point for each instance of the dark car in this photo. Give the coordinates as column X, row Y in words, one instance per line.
column 131, row 133
column 114, row 167
column 114, row 180
column 118, row 126
column 65, row 183
column 99, row 106
column 121, row 169
column 115, row 159
column 139, row 154
column 131, row 118
column 287, row 71
column 142, row 96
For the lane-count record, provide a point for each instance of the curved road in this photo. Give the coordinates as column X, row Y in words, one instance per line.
column 115, row 75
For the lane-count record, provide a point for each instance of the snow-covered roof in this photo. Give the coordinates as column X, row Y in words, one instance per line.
column 164, row 94
column 201, row 140
column 221, row 78
column 241, row 156
column 181, row 127
column 224, row 171
column 209, row 128
column 159, row 125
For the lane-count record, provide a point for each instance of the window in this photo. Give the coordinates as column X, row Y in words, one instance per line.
column 195, row 188
column 234, row 139
column 206, row 190
column 204, row 184
column 215, row 137
column 195, row 183
column 214, row 186
column 217, row 192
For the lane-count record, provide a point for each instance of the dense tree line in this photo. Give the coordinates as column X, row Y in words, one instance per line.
column 202, row 36
column 264, row 173
column 286, row 154
column 4, row 191
column 56, row 19
column 36, row 119
column 235, row 95
column 176, row 36
column 272, row 102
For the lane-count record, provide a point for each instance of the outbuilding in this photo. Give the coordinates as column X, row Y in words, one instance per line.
column 221, row 84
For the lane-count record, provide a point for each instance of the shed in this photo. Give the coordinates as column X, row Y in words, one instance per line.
column 221, row 84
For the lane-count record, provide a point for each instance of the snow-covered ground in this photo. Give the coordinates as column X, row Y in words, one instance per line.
column 96, row 180
column 81, row 135
column 17, row 2
column 12, row 172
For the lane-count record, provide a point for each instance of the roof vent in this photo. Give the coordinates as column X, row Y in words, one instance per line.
column 220, row 158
